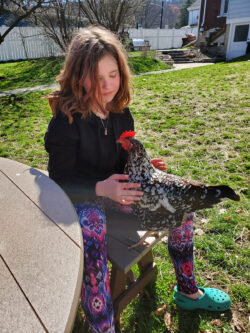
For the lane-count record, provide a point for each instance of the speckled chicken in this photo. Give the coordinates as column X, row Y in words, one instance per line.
column 167, row 199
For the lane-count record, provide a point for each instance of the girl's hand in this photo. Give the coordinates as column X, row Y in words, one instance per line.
column 124, row 193
column 158, row 163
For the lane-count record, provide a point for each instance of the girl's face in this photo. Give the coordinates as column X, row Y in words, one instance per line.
column 108, row 77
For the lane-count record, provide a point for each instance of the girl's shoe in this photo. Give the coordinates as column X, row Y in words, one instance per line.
column 212, row 300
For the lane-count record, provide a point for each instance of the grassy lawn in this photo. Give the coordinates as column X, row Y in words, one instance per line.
column 197, row 120
column 29, row 73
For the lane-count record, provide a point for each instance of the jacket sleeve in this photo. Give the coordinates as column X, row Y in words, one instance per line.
column 62, row 143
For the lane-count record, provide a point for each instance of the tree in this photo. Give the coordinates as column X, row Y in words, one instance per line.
column 115, row 15
column 60, row 20
column 183, row 16
column 18, row 11
column 150, row 15
column 170, row 14
column 64, row 16
column 156, row 13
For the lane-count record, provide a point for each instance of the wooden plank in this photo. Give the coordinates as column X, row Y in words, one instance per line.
column 118, row 253
column 118, row 282
column 127, row 229
column 123, row 231
column 46, row 194
column 123, row 300
column 16, row 314
column 145, row 262
column 46, row 263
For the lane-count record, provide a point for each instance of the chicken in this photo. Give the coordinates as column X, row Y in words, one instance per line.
column 167, row 199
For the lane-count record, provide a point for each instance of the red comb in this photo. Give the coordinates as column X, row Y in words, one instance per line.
column 127, row 134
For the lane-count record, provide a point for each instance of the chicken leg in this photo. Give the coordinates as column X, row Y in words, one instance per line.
column 143, row 241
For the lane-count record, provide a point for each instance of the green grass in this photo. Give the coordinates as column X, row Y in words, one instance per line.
column 198, row 121
column 140, row 64
column 29, row 73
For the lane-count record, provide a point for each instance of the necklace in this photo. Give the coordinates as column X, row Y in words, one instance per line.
column 105, row 127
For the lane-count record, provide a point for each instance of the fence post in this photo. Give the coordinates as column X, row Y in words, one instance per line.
column 23, row 43
column 172, row 45
column 158, row 37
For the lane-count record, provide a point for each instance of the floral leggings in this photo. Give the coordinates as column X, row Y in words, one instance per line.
column 95, row 294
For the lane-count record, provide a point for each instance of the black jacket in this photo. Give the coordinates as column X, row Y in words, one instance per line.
column 80, row 154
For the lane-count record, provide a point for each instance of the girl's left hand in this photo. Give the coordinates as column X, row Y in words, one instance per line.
column 158, row 163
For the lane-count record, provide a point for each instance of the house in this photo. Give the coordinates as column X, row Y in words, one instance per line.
column 212, row 27
column 194, row 13
column 238, row 26
column 224, row 27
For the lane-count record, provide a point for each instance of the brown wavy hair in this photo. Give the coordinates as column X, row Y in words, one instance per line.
column 87, row 47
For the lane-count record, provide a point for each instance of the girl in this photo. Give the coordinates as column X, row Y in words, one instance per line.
column 90, row 112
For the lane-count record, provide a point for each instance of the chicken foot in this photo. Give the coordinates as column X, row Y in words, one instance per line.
column 143, row 241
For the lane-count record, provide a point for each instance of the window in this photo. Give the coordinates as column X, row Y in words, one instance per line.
column 241, row 33
column 224, row 7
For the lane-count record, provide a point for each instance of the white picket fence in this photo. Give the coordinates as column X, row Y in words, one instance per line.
column 162, row 38
column 27, row 43
column 30, row 42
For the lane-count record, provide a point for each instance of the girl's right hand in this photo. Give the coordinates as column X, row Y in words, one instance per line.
column 122, row 192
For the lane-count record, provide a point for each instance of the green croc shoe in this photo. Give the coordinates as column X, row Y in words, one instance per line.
column 212, row 300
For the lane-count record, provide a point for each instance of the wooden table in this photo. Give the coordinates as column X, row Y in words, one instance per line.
column 41, row 256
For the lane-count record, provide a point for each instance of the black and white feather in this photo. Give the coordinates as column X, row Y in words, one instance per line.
column 167, row 199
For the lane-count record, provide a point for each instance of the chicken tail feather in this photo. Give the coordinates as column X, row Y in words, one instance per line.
column 223, row 191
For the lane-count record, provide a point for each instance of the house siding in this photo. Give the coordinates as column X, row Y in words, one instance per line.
column 212, row 15
column 238, row 14
column 193, row 17
column 238, row 9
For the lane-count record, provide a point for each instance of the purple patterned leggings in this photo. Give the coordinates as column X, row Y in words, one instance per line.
column 95, row 295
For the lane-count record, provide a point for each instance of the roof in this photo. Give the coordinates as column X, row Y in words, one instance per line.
column 194, row 6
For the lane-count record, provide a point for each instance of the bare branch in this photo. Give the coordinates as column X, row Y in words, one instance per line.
column 19, row 12
column 115, row 15
column 60, row 21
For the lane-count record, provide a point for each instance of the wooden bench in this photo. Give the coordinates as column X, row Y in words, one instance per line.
column 123, row 231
